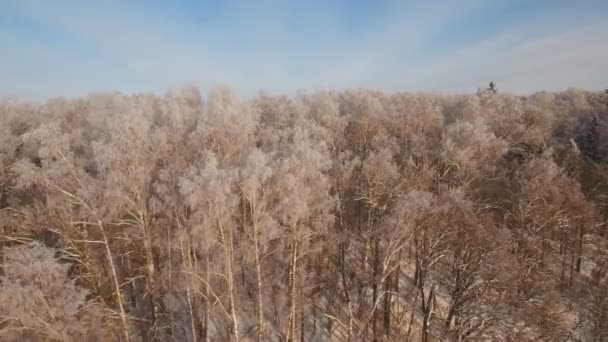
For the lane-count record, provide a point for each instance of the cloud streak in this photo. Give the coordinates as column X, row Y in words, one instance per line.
column 79, row 47
column 553, row 62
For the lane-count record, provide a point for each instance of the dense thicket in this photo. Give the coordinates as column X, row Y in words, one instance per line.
column 342, row 216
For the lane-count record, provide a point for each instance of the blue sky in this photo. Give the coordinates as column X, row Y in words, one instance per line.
column 71, row 48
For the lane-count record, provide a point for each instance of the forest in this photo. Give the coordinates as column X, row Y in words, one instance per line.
column 352, row 215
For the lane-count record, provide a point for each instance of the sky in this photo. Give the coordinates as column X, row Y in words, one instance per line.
column 76, row 47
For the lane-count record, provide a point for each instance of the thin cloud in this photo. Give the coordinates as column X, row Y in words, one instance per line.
column 574, row 58
column 252, row 47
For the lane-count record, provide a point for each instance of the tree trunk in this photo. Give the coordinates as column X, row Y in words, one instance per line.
column 412, row 311
column 427, row 309
column 121, row 308
column 375, row 289
column 579, row 256
column 151, row 275
column 258, row 266
column 229, row 255
column 293, row 319
column 207, row 293
column 387, row 305
column 188, row 265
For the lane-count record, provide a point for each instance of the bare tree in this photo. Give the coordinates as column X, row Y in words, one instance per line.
column 334, row 215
